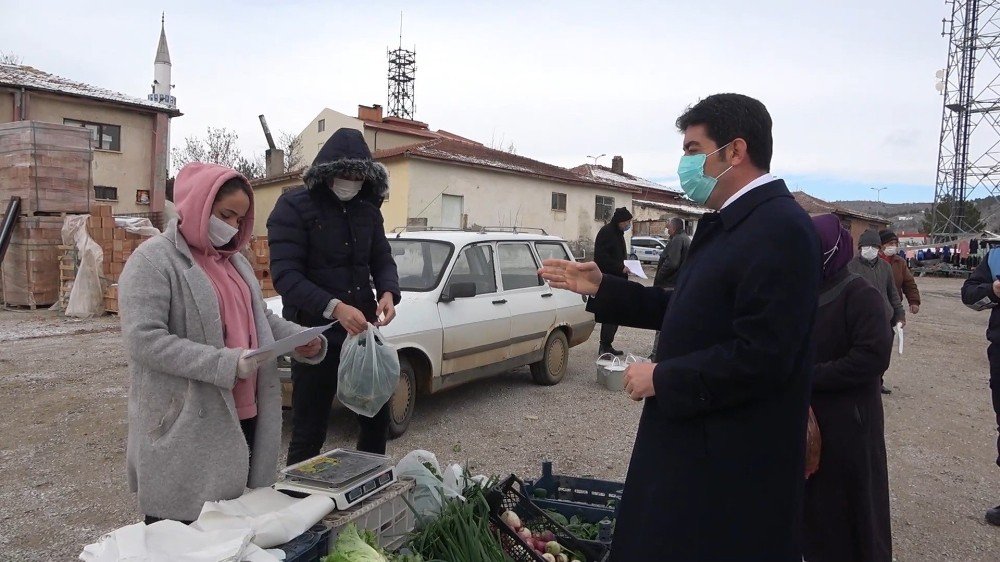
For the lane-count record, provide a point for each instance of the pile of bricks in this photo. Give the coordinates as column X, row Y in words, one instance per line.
column 30, row 271
column 260, row 259
column 117, row 244
column 48, row 167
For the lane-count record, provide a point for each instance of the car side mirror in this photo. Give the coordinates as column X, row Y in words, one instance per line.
column 458, row 291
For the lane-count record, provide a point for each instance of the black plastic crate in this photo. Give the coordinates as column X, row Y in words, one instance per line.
column 589, row 498
column 310, row 546
column 507, row 495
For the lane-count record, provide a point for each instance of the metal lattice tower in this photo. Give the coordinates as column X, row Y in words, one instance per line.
column 402, row 72
column 969, row 154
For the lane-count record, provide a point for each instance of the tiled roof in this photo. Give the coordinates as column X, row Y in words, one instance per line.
column 605, row 173
column 475, row 154
column 814, row 206
column 402, row 129
column 18, row 76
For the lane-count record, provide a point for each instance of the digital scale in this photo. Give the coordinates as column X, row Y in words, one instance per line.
column 346, row 476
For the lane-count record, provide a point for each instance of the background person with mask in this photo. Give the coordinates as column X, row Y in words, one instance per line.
column 901, row 275
column 204, row 420
column 610, row 254
column 879, row 274
column 719, row 458
column 328, row 244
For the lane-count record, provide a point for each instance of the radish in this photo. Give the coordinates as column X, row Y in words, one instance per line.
column 548, row 557
column 561, row 557
column 525, row 533
column 549, row 536
column 553, row 548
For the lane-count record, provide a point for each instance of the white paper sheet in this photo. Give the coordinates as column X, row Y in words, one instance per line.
column 635, row 266
column 286, row 345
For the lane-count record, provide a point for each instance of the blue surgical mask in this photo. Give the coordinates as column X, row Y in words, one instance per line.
column 691, row 170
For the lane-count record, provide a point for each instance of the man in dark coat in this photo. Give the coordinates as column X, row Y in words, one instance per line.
column 982, row 292
column 610, row 254
column 717, row 471
column 327, row 243
column 847, row 500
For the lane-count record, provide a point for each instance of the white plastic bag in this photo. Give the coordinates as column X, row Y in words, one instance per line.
column 369, row 372
column 430, row 486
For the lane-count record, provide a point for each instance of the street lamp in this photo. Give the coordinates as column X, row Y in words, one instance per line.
column 878, row 195
column 596, row 158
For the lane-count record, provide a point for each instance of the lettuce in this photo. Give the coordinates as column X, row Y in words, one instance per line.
column 350, row 547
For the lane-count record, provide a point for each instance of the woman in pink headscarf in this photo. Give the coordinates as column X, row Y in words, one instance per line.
column 847, row 498
column 204, row 417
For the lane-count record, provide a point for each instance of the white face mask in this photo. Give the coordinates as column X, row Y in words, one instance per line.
column 891, row 250
column 220, row 232
column 869, row 253
column 345, row 190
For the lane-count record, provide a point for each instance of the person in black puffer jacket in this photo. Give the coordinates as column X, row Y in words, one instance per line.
column 328, row 245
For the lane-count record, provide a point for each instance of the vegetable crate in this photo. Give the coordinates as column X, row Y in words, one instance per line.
column 507, row 495
column 385, row 514
column 309, row 546
column 588, row 498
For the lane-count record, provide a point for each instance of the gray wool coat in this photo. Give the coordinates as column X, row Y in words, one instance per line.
column 185, row 445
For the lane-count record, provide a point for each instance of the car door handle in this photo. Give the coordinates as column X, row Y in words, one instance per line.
column 501, row 301
column 546, row 295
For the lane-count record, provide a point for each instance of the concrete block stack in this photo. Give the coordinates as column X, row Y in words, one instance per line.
column 49, row 167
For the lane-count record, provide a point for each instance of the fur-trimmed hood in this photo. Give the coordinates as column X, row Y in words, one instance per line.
column 346, row 153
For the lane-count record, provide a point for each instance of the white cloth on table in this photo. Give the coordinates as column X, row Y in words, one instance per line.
column 172, row 541
column 274, row 517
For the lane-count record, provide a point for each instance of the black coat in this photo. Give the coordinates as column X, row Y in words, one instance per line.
column 717, row 471
column 847, row 500
column 610, row 252
column 977, row 293
column 322, row 248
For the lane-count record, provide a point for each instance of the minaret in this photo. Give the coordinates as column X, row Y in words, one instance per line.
column 161, row 71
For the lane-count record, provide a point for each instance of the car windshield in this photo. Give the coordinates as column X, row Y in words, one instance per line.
column 420, row 262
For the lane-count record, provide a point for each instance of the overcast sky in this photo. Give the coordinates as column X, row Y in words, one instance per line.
column 849, row 84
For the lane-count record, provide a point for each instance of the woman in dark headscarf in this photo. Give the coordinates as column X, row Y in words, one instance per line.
column 847, row 500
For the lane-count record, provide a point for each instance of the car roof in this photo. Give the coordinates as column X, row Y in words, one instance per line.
column 463, row 237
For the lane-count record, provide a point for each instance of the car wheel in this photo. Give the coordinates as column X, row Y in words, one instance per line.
column 633, row 257
column 555, row 362
column 403, row 399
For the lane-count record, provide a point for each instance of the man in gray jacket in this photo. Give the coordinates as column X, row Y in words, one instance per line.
column 671, row 260
column 879, row 274
column 673, row 256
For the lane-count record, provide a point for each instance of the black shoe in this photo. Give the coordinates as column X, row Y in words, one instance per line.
column 610, row 350
column 993, row 516
column 885, row 390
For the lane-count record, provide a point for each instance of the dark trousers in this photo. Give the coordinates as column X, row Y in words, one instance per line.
column 313, row 390
column 249, row 427
column 994, row 355
column 608, row 332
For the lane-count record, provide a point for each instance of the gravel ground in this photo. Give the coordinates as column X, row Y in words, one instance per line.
column 62, row 432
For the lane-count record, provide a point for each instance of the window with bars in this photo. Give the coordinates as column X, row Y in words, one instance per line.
column 105, row 193
column 604, row 207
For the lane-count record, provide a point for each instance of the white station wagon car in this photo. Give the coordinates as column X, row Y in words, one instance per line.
column 473, row 306
column 647, row 249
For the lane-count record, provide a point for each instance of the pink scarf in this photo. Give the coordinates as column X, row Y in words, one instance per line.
column 194, row 193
